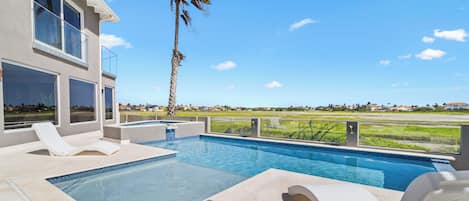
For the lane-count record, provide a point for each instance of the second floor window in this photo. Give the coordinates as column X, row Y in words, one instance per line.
column 58, row 24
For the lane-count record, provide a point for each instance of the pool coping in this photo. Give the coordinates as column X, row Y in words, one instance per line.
column 91, row 172
column 174, row 122
column 355, row 149
column 273, row 183
column 28, row 168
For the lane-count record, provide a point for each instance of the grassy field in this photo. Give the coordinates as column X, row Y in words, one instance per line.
column 436, row 132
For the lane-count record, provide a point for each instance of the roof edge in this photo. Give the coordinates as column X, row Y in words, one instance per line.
column 105, row 12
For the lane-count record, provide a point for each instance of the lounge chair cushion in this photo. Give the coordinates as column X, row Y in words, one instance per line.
column 47, row 133
column 332, row 192
column 438, row 185
column 102, row 146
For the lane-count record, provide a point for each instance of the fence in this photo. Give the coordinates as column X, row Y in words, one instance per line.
column 427, row 137
column 232, row 125
column 431, row 137
column 331, row 132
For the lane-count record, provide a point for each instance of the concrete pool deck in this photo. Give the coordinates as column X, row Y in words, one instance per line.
column 25, row 168
column 272, row 185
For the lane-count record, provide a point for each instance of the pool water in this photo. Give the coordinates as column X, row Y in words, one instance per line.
column 166, row 180
column 206, row 165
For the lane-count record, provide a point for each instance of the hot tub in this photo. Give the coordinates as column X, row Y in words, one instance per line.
column 155, row 130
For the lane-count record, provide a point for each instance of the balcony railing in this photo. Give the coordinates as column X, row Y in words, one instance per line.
column 108, row 61
column 54, row 35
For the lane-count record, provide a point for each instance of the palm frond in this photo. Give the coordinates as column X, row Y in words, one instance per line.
column 197, row 4
column 186, row 17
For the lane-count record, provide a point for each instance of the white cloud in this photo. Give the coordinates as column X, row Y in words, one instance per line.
column 227, row 65
column 385, row 62
column 456, row 35
column 430, row 54
column 274, row 84
column 302, row 23
column 427, row 39
column 110, row 41
column 405, row 56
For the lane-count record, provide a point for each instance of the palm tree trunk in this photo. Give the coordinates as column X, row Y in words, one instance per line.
column 175, row 62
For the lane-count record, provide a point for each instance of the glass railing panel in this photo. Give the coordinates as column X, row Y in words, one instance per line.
column 75, row 41
column 429, row 137
column 47, row 27
column 331, row 132
column 108, row 61
column 231, row 125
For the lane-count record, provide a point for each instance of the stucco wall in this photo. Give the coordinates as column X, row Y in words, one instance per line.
column 16, row 39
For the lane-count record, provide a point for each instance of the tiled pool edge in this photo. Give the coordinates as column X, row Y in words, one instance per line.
column 86, row 173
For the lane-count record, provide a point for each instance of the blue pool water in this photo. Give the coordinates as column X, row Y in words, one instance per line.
column 206, row 165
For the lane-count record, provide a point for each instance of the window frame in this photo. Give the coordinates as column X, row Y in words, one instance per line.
column 37, row 44
column 57, row 92
column 95, row 102
column 113, row 103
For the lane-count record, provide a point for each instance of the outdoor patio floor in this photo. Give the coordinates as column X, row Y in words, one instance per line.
column 25, row 168
column 272, row 185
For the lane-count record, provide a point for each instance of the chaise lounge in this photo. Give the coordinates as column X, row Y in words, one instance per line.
column 440, row 186
column 47, row 134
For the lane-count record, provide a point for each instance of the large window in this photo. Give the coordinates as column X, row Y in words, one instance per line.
column 29, row 96
column 109, row 103
column 54, row 17
column 82, row 101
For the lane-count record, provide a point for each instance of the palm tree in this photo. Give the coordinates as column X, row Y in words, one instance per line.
column 178, row 56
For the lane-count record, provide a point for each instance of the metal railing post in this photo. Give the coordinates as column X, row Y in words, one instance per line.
column 256, row 127
column 462, row 159
column 353, row 134
column 207, row 125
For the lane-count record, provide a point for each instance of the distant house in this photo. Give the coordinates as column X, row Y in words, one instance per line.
column 457, row 106
column 402, row 108
column 124, row 107
column 376, row 108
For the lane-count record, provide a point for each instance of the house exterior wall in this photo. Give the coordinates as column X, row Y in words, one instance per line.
column 17, row 47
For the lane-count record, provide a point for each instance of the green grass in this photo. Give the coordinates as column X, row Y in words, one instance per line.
column 403, row 134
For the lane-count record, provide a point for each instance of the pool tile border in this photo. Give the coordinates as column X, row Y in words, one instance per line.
column 87, row 173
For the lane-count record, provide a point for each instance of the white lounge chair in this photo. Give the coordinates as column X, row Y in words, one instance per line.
column 332, row 192
column 439, row 186
column 47, row 134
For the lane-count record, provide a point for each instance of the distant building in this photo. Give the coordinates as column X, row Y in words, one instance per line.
column 457, row 106
column 124, row 107
column 402, row 108
column 376, row 108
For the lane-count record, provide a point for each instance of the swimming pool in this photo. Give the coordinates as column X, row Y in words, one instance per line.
column 205, row 165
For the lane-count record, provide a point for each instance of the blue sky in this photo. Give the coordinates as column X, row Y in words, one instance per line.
column 262, row 53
